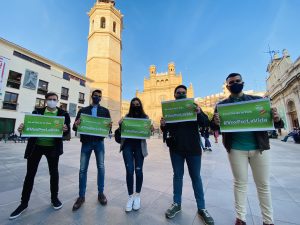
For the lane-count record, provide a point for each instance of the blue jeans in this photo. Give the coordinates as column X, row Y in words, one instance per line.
column 194, row 166
column 86, row 150
column 134, row 160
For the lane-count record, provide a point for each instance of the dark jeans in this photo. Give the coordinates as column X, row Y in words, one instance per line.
column 86, row 151
column 207, row 143
column 32, row 166
column 134, row 160
column 194, row 166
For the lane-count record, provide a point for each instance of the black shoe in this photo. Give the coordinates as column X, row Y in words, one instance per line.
column 78, row 203
column 102, row 199
column 56, row 204
column 21, row 208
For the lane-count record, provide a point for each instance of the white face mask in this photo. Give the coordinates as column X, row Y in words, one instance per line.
column 51, row 103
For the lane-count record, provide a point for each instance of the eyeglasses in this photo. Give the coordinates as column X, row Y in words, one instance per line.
column 180, row 93
column 137, row 105
column 51, row 99
column 235, row 81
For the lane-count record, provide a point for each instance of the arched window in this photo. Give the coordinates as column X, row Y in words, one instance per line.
column 114, row 27
column 102, row 23
column 157, row 82
column 167, row 80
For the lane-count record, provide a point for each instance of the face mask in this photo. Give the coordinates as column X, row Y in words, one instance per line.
column 181, row 96
column 137, row 109
column 236, row 88
column 51, row 104
column 96, row 100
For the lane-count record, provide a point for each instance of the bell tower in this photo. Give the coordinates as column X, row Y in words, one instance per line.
column 103, row 64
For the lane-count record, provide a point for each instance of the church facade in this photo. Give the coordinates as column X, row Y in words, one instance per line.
column 159, row 87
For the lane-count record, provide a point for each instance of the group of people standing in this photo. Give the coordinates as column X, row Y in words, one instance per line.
column 184, row 144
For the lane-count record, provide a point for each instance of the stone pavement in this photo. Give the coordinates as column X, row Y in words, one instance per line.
column 157, row 188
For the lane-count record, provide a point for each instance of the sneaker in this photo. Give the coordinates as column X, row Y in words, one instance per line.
column 78, row 203
column 206, row 217
column 129, row 204
column 56, row 204
column 136, row 202
column 239, row 222
column 173, row 210
column 210, row 149
column 268, row 223
column 21, row 208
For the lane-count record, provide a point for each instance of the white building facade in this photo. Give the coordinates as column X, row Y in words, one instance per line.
column 25, row 78
column 283, row 88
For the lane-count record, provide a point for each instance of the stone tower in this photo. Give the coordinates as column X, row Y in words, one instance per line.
column 103, row 65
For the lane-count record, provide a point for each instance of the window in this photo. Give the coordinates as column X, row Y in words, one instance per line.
column 81, row 98
column 14, row 80
column 66, row 76
column 114, row 27
column 82, row 83
column 102, row 22
column 64, row 93
column 63, row 106
column 43, row 87
column 32, row 60
column 7, row 126
column 39, row 103
column 10, row 101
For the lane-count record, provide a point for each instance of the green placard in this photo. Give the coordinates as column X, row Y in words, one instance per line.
column 43, row 126
column 95, row 126
column 179, row 110
column 246, row 116
column 136, row 128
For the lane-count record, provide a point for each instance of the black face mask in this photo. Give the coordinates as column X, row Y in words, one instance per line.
column 96, row 99
column 137, row 109
column 236, row 88
column 181, row 96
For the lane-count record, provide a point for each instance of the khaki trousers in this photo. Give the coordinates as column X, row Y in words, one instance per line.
column 260, row 166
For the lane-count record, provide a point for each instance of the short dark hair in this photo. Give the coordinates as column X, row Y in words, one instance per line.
column 233, row 75
column 180, row 86
column 50, row 94
column 96, row 91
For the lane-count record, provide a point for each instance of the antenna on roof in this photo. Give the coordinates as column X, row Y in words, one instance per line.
column 271, row 52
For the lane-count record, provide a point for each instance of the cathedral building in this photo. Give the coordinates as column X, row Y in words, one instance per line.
column 157, row 88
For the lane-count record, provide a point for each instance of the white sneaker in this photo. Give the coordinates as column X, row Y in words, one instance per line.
column 137, row 202
column 129, row 204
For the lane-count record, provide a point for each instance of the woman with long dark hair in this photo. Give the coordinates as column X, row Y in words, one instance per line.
column 134, row 151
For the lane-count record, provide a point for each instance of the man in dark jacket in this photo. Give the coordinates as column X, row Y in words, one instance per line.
column 183, row 141
column 52, row 148
column 248, row 148
column 91, row 143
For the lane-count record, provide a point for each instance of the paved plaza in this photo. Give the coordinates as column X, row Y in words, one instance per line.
column 157, row 188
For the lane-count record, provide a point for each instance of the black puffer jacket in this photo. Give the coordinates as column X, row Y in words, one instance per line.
column 261, row 137
column 58, row 141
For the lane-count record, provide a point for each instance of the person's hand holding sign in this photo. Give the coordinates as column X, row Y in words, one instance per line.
column 65, row 128
column 162, row 122
column 77, row 122
column 216, row 119
column 275, row 115
column 21, row 127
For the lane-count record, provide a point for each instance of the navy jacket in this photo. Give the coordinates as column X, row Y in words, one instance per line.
column 101, row 112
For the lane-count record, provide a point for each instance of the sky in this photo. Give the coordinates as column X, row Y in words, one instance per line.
column 207, row 39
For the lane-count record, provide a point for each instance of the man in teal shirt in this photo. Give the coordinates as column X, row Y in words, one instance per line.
column 246, row 148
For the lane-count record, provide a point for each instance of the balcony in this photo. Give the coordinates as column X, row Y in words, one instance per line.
column 9, row 105
column 11, row 83
column 64, row 96
column 42, row 91
column 81, row 100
